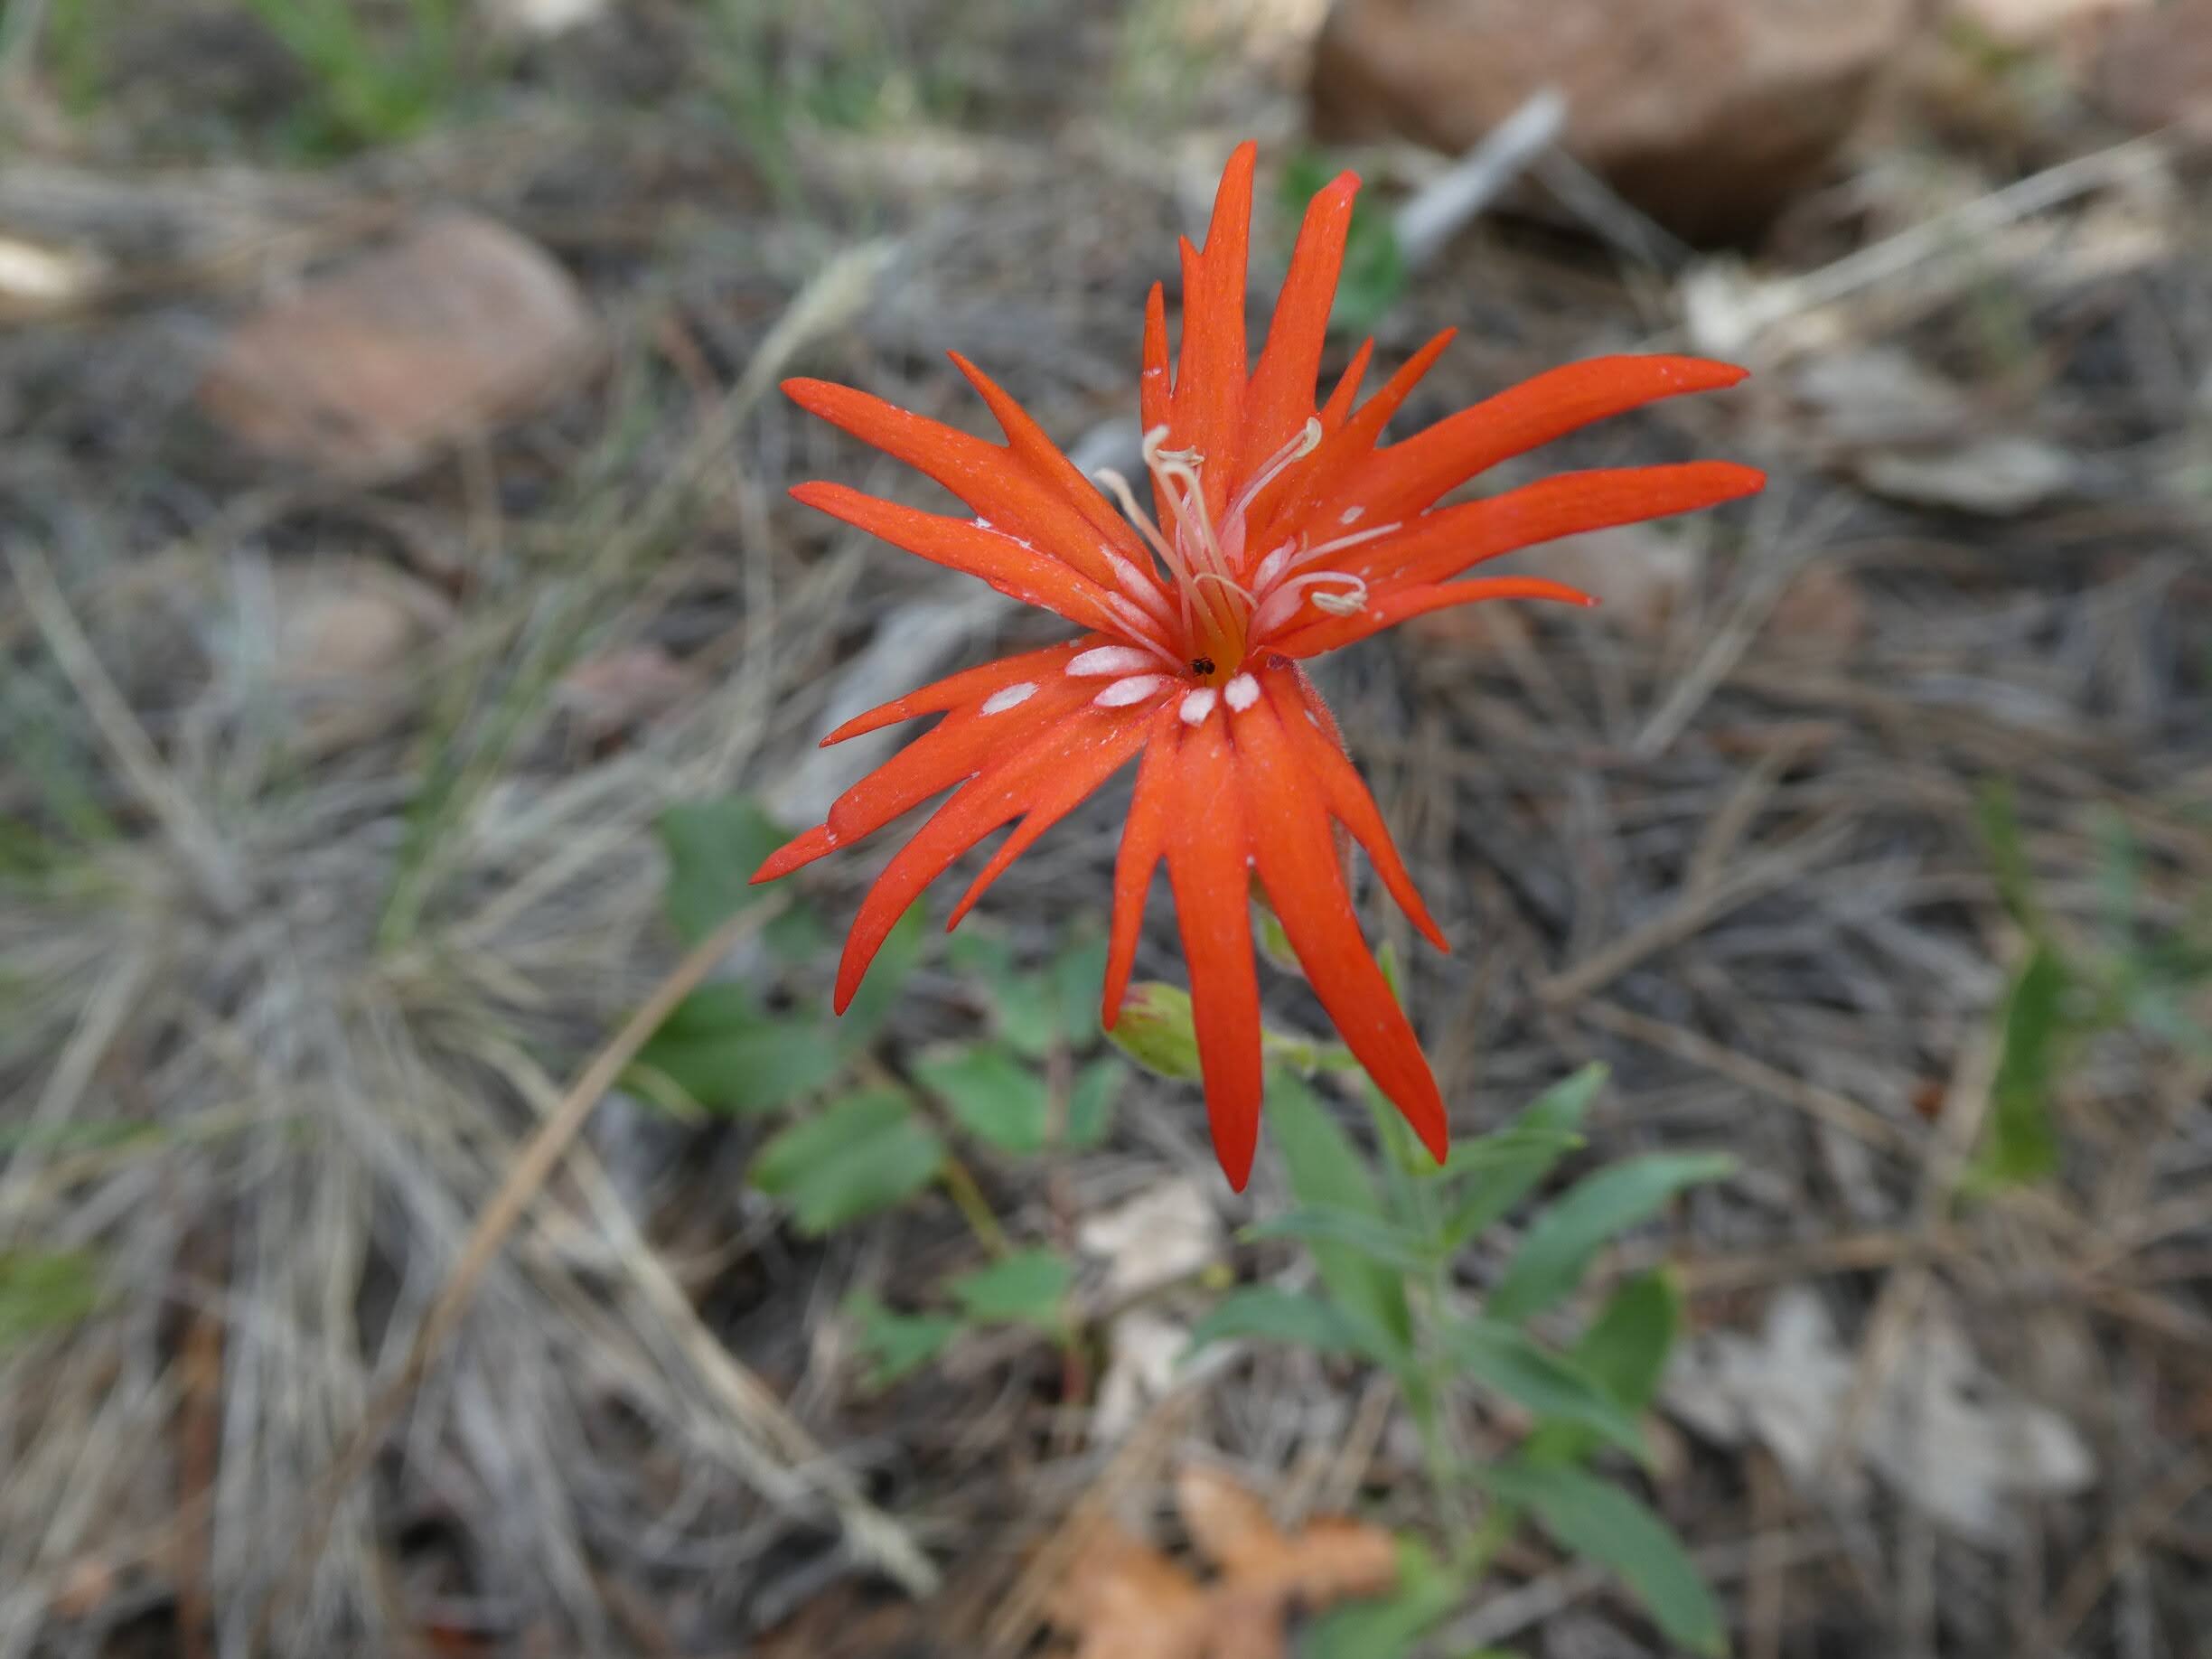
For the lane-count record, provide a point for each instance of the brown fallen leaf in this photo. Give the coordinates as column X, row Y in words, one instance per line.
column 1126, row 1600
column 459, row 325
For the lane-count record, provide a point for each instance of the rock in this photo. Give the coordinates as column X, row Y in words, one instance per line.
column 457, row 327
column 1641, row 576
column 2019, row 24
column 346, row 621
column 2156, row 70
column 543, row 19
column 1709, row 114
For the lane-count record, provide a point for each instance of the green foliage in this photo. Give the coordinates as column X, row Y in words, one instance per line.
column 2023, row 1145
column 1374, row 273
column 1312, row 1322
column 1024, row 1287
column 713, row 847
column 728, row 1057
column 1595, row 1519
column 896, row 1344
column 1384, row 1249
column 1329, row 1178
column 2066, row 990
column 865, row 1153
column 43, row 1293
column 1387, row 1627
column 1000, row 1100
column 371, row 88
column 1555, row 1388
column 1559, row 1246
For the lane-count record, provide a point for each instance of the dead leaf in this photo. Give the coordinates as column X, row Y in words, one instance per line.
column 1125, row 1600
column 1820, row 619
column 1166, row 1232
column 458, row 326
column 1942, row 1428
column 39, row 281
column 1992, row 477
column 1641, row 578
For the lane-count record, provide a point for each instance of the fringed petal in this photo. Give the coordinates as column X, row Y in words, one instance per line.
column 1210, row 368
column 1015, row 569
column 995, row 795
column 1296, row 860
column 1319, row 752
column 1400, row 604
column 1209, row 854
column 1441, row 544
column 1280, row 400
column 1144, row 841
column 993, row 479
column 1409, row 476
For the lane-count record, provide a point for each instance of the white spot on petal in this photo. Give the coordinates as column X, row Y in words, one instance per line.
column 1241, row 692
column 998, row 702
column 1104, row 660
column 1198, row 704
column 1351, row 515
column 1134, row 689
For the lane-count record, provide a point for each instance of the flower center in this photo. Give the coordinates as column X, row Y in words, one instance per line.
column 1226, row 605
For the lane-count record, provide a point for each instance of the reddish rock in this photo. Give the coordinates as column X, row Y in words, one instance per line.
column 1709, row 114
column 2156, row 70
column 459, row 325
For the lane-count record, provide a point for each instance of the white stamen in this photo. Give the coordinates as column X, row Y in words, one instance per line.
column 1351, row 515
column 1342, row 542
column 998, row 702
column 1134, row 689
column 1104, row 660
column 1241, row 692
column 1342, row 604
column 1308, row 440
column 1285, row 598
column 1199, row 704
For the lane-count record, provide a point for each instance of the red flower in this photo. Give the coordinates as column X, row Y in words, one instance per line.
column 1283, row 531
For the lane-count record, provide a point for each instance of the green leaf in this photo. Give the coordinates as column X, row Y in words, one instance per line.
column 871, row 1005
column 897, row 1343
column 2023, row 1143
column 1079, row 979
column 42, row 1291
column 1326, row 1173
column 713, row 849
column 720, row 1050
column 1624, row 1350
column 799, row 936
column 1383, row 1242
column 1627, row 1345
column 1387, row 1626
column 1507, row 1359
column 1090, row 1102
column 990, row 1094
column 1271, row 1315
column 1492, row 1184
column 1155, row 1030
column 865, row 1153
column 1026, row 1288
column 1561, row 1244
column 1593, row 1518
